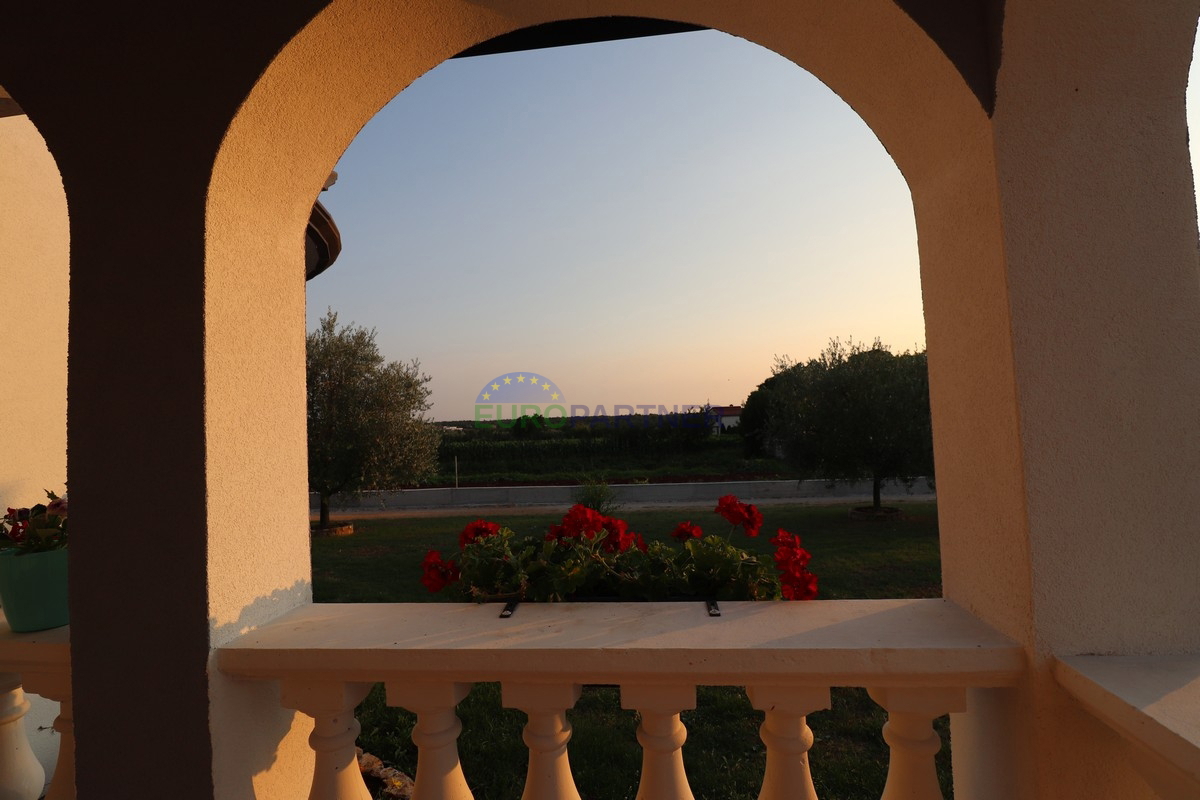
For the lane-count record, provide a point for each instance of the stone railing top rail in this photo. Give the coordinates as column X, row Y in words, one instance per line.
column 1152, row 701
column 820, row 643
column 40, row 651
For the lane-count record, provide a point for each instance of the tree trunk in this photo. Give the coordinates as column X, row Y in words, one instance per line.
column 324, row 523
column 878, row 481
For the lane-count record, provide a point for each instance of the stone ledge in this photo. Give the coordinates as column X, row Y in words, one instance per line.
column 819, row 643
column 40, row 651
column 1151, row 701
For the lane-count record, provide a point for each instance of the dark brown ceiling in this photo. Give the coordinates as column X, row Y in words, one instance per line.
column 967, row 31
column 576, row 31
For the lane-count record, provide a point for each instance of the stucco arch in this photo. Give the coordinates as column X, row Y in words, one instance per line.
column 34, row 278
column 354, row 57
column 33, row 251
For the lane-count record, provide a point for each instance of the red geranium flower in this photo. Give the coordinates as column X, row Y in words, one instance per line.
column 437, row 574
column 736, row 512
column 581, row 521
column 803, row 587
column 730, row 508
column 754, row 520
column 18, row 523
column 478, row 529
column 796, row 582
column 619, row 538
column 686, row 530
column 615, row 527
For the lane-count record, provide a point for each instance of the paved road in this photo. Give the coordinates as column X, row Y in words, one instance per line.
column 539, row 499
column 489, row 511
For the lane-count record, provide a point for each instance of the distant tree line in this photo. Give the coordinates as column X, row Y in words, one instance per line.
column 527, row 445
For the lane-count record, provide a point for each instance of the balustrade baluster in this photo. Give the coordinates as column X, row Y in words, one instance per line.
column 56, row 685
column 62, row 785
column 331, row 704
column 788, row 738
column 913, row 742
column 661, row 736
column 546, row 735
column 21, row 775
column 439, row 771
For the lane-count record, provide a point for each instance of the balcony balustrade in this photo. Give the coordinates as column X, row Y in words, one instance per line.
column 918, row 658
column 40, row 663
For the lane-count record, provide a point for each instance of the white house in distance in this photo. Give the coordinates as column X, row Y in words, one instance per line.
column 725, row 418
column 1045, row 144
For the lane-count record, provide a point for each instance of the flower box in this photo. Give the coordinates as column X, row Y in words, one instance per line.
column 591, row 556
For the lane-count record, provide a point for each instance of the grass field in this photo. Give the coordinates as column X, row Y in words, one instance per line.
column 723, row 754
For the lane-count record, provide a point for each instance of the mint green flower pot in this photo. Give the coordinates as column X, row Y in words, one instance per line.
column 33, row 589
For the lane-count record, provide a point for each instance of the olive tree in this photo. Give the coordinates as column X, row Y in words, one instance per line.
column 852, row 413
column 366, row 416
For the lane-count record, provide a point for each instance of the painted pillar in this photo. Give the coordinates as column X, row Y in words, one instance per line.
column 1100, row 248
column 185, row 419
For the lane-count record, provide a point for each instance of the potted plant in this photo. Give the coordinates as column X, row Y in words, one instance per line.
column 591, row 556
column 33, row 565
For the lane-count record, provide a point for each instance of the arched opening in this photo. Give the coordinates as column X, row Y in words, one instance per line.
column 882, row 64
column 1193, row 108
column 735, row 208
column 34, row 282
column 651, row 221
column 895, row 111
column 33, row 248
column 272, row 163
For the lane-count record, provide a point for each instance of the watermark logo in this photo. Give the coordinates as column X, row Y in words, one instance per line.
column 508, row 397
column 512, row 397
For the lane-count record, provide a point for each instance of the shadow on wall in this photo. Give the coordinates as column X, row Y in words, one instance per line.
column 250, row 727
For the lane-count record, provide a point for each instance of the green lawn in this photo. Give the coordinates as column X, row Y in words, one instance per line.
column 723, row 754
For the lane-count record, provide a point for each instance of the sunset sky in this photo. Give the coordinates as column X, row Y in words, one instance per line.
column 641, row 222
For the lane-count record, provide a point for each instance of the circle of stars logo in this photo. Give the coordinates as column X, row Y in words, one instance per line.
column 520, row 387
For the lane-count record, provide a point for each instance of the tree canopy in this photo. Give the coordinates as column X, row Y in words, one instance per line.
column 852, row 413
column 366, row 416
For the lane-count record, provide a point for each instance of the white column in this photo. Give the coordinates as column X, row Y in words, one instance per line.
column 57, row 686
column 913, row 741
column 661, row 736
column 788, row 738
column 546, row 735
column 439, row 771
column 21, row 775
column 331, row 704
